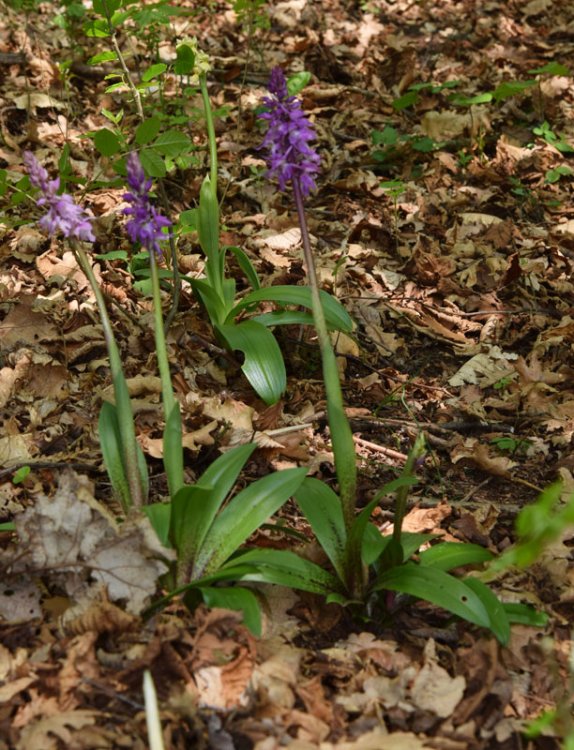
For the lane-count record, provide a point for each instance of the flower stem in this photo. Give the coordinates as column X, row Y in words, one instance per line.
column 341, row 435
column 122, row 396
column 172, row 439
column 210, row 134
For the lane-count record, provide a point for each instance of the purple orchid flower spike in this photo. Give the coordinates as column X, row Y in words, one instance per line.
column 63, row 215
column 146, row 225
column 290, row 157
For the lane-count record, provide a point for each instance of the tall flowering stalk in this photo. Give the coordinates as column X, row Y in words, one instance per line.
column 146, row 226
column 124, row 461
column 292, row 158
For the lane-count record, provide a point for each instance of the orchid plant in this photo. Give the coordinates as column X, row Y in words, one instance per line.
column 365, row 566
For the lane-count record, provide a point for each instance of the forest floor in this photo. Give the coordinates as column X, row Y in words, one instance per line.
column 458, row 275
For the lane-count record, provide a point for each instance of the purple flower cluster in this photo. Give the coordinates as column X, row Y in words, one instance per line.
column 288, row 137
column 63, row 215
column 146, row 224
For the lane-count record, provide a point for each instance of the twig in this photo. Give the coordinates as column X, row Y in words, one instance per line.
column 389, row 452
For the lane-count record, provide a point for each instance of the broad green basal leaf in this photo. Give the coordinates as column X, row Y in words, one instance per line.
column 263, row 365
column 235, row 598
column 195, row 507
column 245, row 513
column 337, row 317
column 288, row 569
column 322, row 508
column 499, row 623
column 449, row 555
column 437, row 587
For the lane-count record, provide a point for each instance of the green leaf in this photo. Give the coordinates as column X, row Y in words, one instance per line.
column 337, row 317
column 424, row 144
column 322, row 508
column 107, row 142
column 285, row 568
column 449, row 555
column 185, row 60
column 172, row 450
column 215, row 305
column 406, row 100
column 115, row 118
column 499, row 623
column 554, row 175
column 509, row 89
column 147, row 130
column 263, row 365
column 188, row 218
column 21, row 474
column 110, row 444
column 172, row 143
column 246, row 266
column 359, row 527
column 284, row 318
column 388, row 136
column 159, row 515
column 208, row 231
column 374, row 543
column 238, row 599
column 392, row 555
column 115, row 87
column 524, row 614
column 152, row 163
column 437, row 587
column 154, row 71
column 195, row 507
column 112, row 255
column 190, row 519
column 459, row 100
column 102, row 57
column 297, row 82
column 110, row 7
column 98, row 28
column 243, row 515
column 552, row 69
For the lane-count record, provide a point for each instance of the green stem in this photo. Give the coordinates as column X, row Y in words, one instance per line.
column 216, row 257
column 172, row 449
column 174, row 266
column 415, row 453
column 127, row 77
column 341, row 435
column 122, row 396
column 210, row 134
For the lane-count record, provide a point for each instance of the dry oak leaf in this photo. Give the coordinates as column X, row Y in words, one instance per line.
column 498, row 466
column 433, row 689
column 77, row 541
column 44, row 734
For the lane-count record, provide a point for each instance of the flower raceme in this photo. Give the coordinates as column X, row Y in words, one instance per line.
column 290, row 157
column 146, row 225
column 63, row 215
